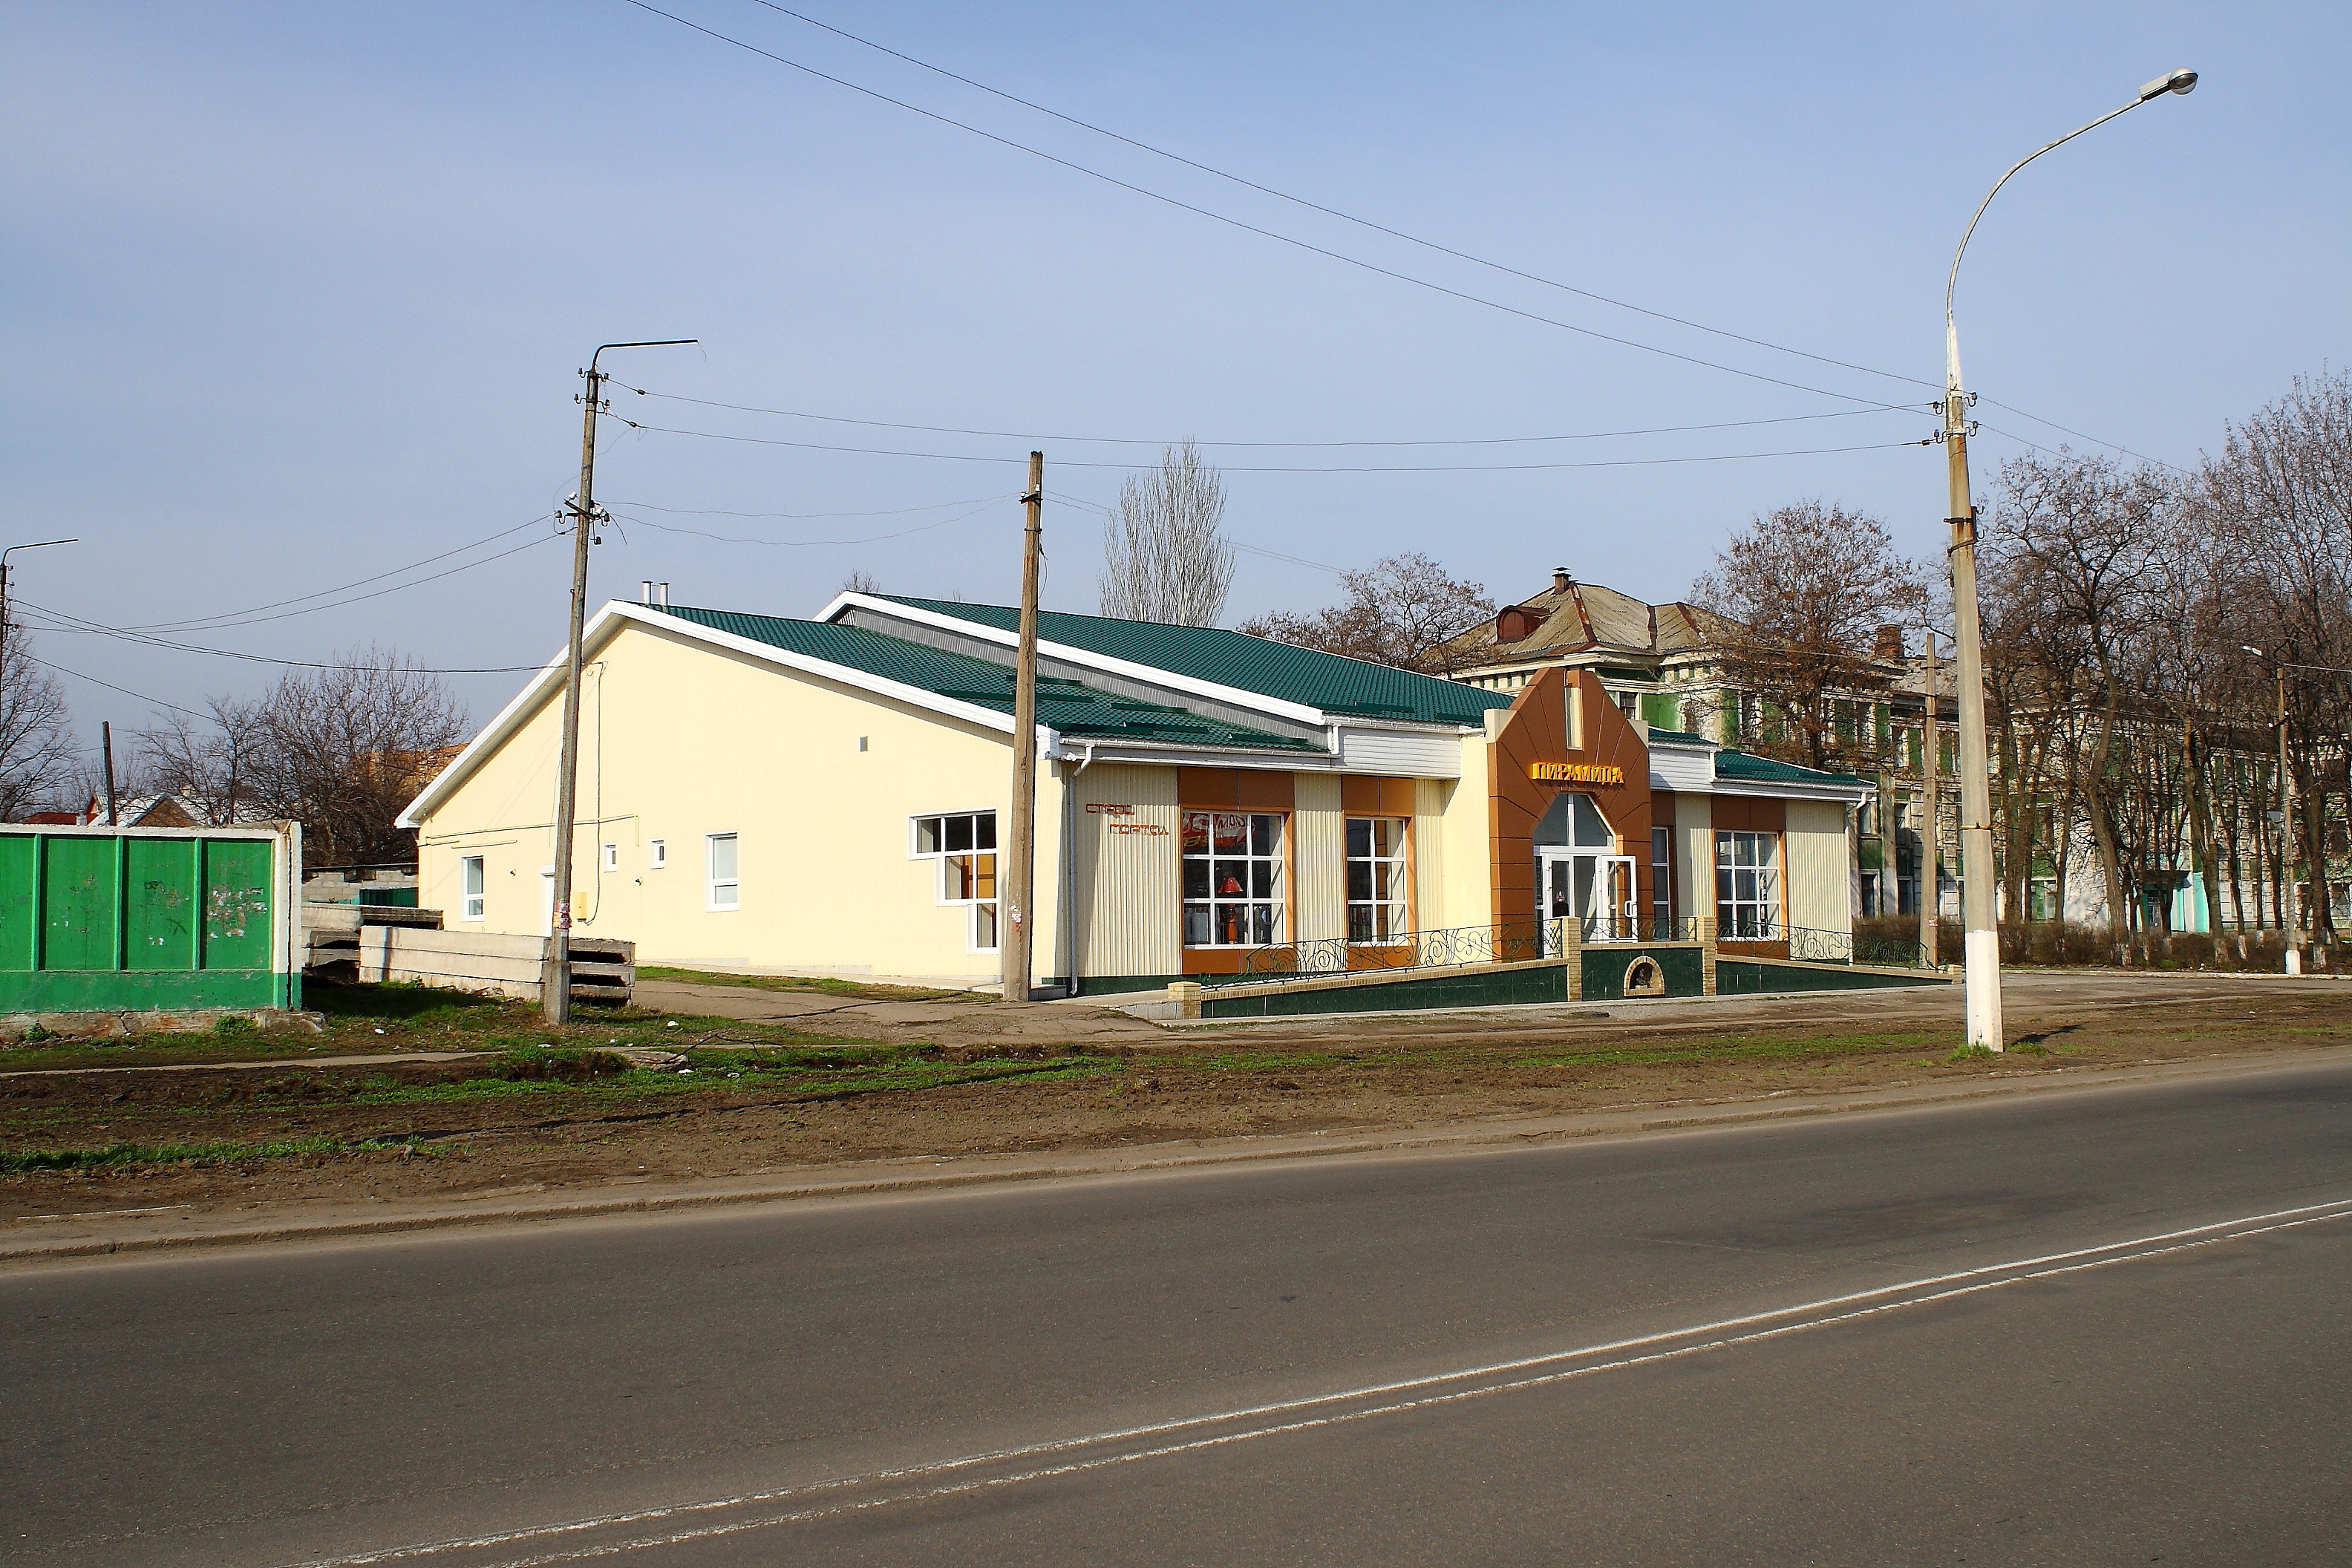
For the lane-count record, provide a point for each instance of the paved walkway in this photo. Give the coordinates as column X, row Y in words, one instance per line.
column 952, row 1023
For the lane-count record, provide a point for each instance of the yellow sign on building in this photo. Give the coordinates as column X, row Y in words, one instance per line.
column 1576, row 773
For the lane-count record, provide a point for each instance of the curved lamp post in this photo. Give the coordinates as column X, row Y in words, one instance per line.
column 1982, row 940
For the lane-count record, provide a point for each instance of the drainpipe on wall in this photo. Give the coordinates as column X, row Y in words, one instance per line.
column 1070, row 871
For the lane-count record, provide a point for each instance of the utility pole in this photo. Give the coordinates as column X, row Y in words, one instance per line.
column 105, row 749
column 1978, row 911
column 1017, row 876
column 1931, row 808
column 555, row 969
column 12, row 550
column 2286, row 839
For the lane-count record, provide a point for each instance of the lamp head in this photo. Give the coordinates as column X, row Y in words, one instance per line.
column 2181, row 81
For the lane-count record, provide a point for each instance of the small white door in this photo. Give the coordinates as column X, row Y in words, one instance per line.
column 1555, row 895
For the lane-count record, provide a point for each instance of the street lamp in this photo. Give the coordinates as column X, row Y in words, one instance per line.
column 1982, row 944
column 2285, row 816
column 12, row 550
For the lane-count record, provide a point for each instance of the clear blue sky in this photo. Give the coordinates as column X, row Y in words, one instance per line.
column 295, row 294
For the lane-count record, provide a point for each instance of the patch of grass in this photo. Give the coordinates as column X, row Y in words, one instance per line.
column 1696, row 1052
column 403, row 1000
column 1969, row 1054
column 173, row 1154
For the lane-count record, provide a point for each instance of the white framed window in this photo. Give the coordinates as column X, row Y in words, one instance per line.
column 656, row 854
column 1747, row 886
column 719, row 849
column 964, row 844
column 469, row 872
column 612, row 857
column 1377, row 905
column 1233, row 892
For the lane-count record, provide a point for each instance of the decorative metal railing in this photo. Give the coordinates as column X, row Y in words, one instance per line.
column 1498, row 943
column 1495, row 944
column 1809, row 946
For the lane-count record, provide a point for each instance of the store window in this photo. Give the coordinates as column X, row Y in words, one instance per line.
column 1377, row 904
column 1234, row 893
column 725, row 889
column 1747, row 886
column 964, row 844
column 470, row 871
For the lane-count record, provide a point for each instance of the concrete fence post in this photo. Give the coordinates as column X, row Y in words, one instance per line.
column 1706, row 957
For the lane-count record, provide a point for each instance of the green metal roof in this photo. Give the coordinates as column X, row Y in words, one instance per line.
column 1731, row 764
column 1324, row 680
column 1680, row 736
column 1067, row 706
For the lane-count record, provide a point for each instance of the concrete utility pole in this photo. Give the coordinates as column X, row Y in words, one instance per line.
column 105, row 749
column 1017, row 873
column 555, row 969
column 1977, row 911
column 1931, row 809
column 2290, row 917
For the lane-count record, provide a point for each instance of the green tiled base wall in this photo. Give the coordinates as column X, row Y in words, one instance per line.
column 145, row 991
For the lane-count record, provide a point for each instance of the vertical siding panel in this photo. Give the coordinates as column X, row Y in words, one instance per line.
column 1320, row 827
column 1695, row 856
column 1127, row 887
column 1430, row 911
column 1814, row 850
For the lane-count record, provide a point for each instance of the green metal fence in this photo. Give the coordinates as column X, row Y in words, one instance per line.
column 103, row 919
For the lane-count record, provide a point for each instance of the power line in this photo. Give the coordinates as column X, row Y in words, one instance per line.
column 70, row 623
column 223, row 624
column 1249, row 227
column 1394, row 468
column 1162, row 441
column 125, row 690
column 810, row 516
column 1344, row 217
column 202, row 622
column 808, row 544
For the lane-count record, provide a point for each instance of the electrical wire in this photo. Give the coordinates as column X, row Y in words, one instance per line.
column 1346, row 218
column 1349, row 217
column 1386, row 469
column 1101, row 510
column 204, row 622
column 1250, row 227
column 63, row 621
column 811, row 543
column 78, row 674
column 809, row 516
column 1912, row 408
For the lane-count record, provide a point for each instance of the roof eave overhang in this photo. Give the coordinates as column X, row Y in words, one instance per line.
column 618, row 614
column 1299, row 712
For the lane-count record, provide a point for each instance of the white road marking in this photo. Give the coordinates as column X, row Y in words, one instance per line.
column 1710, row 1336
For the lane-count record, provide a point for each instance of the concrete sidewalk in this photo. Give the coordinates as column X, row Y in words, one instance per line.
column 33, row 1240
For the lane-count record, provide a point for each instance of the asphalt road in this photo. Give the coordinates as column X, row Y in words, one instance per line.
column 2107, row 1326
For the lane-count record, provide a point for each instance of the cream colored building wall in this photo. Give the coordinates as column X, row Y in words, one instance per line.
column 1693, row 857
column 1465, row 859
column 1432, row 910
column 1128, row 904
column 679, row 740
column 1815, row 852
column 1320, row 852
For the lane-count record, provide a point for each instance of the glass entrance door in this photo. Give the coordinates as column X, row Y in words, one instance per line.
column 1595, row 890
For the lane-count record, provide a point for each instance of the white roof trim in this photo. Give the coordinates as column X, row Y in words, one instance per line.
column 1298, row 712
column 617, row 612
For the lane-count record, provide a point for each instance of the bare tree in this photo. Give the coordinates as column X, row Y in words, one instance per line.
column 1163, row 558
column 861, row 582
column 210, row 766
column 339, row 750
column 1401, row 611
column 1803, row 591
column 36, row 751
